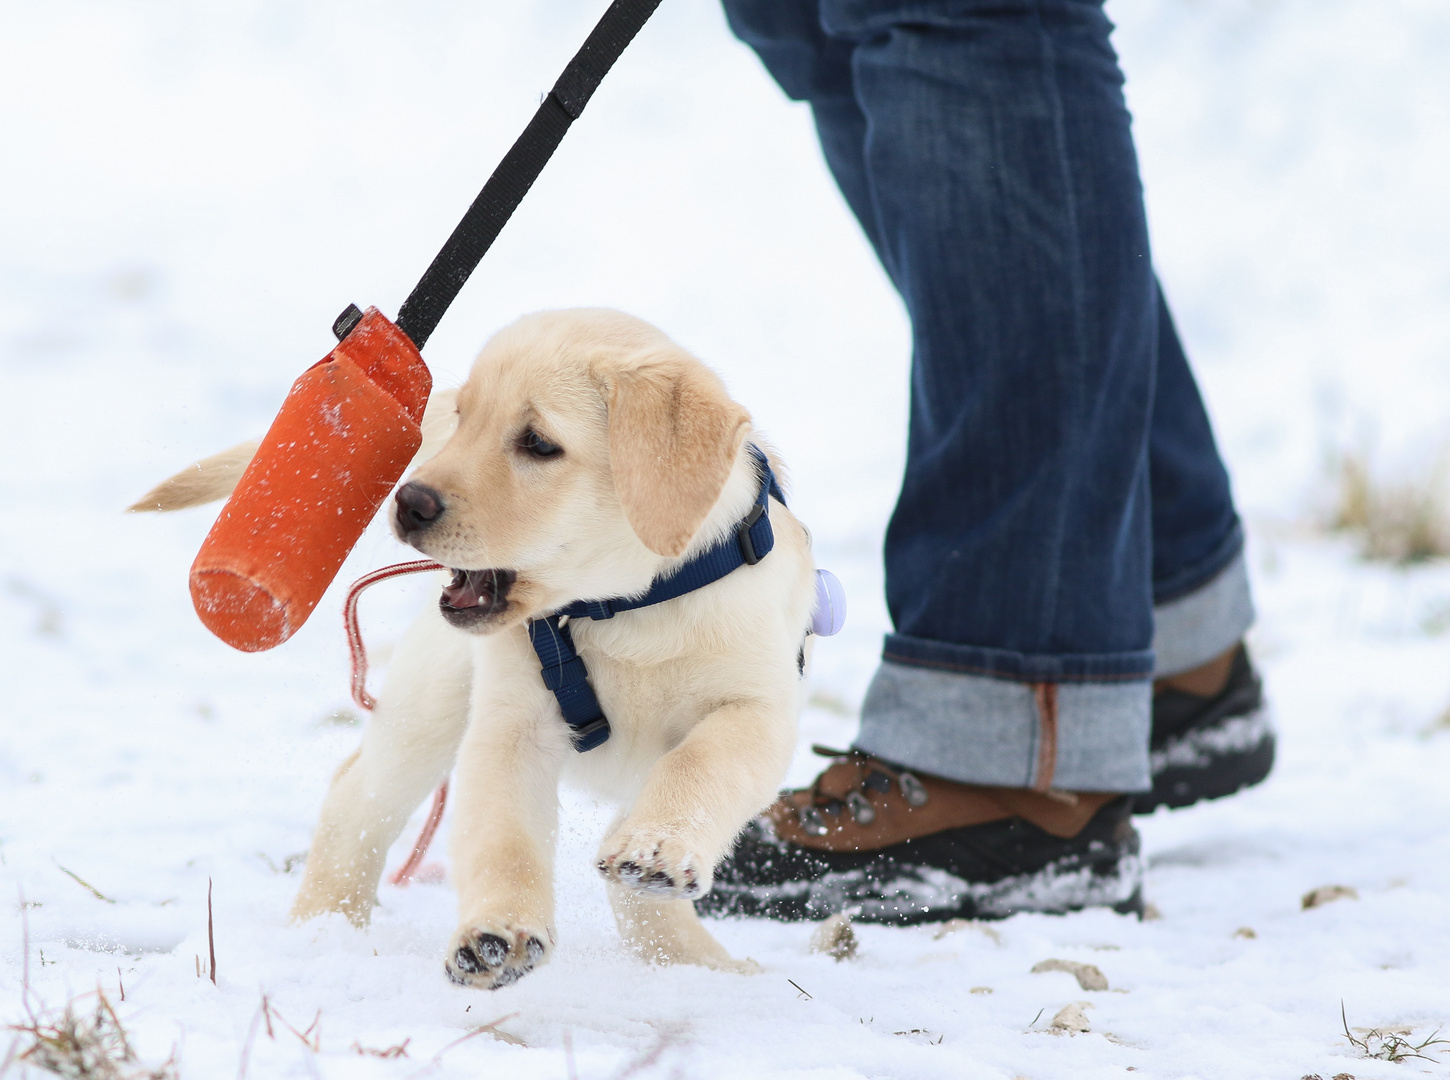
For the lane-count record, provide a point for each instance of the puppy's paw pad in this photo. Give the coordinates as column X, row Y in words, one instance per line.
column 489, row 958
column 655, row 866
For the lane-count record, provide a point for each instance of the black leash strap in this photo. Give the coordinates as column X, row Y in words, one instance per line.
column 516, row 173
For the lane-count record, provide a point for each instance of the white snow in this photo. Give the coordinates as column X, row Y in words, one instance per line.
column 191, row 193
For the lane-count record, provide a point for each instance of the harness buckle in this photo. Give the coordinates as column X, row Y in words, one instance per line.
column 742, row 534
column 591, row 734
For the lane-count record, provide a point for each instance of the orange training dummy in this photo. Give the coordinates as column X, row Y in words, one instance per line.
column 346, row 432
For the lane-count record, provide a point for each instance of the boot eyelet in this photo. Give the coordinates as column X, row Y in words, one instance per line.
column 912, row 790
column 862, row 812
column 811, row 821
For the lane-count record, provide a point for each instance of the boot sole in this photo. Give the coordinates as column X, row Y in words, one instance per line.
column 1094, row 872
column 1211, row 763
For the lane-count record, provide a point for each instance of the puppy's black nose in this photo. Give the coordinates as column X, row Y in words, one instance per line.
column 419, row 507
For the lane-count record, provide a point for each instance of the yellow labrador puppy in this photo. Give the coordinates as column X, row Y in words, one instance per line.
column 591, row 457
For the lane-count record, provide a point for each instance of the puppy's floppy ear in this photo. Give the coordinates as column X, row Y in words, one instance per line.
column 673, row 436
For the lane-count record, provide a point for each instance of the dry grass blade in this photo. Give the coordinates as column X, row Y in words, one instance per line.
column 311, row 1037
column 650, row 1058
column 398, row 1051
column 491, row 1028
column 1385, row 1045
column 251, row 1037
column 210, row 934
column 15, row 1047
column 83, row 883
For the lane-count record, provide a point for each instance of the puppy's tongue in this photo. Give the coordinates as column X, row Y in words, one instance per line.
column 470, row 588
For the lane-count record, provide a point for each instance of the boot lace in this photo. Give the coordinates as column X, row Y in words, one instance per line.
column 872, row 774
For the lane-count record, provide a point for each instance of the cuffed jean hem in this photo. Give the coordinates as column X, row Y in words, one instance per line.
column 1193, row 629
column 1078, row 736
column 1022, row 667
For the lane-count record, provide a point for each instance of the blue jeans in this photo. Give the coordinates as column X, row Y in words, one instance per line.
column 1065, row 530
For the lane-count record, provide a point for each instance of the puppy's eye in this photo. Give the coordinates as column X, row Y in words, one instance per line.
column 535, row 444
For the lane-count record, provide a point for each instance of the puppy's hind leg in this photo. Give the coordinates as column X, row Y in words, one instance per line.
column 407, row 749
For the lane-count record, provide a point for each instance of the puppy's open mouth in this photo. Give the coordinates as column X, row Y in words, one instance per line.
column 475, row 597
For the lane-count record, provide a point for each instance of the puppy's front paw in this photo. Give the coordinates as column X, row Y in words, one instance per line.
column 655, row 865
column 492, row 956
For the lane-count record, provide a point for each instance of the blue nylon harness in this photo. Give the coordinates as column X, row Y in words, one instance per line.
column 563, row 668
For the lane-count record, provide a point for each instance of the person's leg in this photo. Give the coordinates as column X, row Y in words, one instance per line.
column 1004, row 196
column 1019, row 556
column 985, row 150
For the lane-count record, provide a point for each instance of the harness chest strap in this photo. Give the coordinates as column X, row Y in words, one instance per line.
column 563, row 668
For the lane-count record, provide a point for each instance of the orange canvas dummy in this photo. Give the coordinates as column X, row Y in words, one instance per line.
column 346, row 432
column 350, row 424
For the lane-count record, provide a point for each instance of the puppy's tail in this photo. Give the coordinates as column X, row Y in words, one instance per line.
column 208, row 480
column 216, row 477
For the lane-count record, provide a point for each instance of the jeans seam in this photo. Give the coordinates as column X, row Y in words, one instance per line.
column 1049, row 71
column 1044, row 696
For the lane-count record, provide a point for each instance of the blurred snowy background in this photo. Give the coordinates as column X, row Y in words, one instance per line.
column 190, row 193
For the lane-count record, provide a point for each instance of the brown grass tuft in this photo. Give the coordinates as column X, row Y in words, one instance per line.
column 1405, row 522
column 87, row 1045
column 1390, row 1044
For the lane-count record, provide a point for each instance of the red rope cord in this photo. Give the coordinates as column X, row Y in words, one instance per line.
column 404, row 874
column 357, row 652
column 358, row 655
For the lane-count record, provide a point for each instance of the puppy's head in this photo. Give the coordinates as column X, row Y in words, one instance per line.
column 590, row 449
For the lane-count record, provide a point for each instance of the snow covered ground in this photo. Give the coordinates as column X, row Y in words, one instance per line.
column 190, row 193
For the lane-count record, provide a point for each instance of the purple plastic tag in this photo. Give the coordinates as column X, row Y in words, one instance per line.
column 830, row 613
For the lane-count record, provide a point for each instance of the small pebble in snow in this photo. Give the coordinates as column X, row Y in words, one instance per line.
column 835, row 938
column 1326, row 894
column 1151, row 913
column 1070, row 1019
column 1089, row 976
column 1245, row 932
column 981, row 990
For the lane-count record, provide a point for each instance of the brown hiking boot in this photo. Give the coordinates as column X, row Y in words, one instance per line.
column 889, row 845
